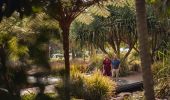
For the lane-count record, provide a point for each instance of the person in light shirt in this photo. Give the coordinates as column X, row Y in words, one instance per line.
column 115, row 67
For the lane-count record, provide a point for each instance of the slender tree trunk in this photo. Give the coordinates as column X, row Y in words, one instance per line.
column 93, row 52
column 127, row 54
column 65, row 33
column 118, row 50
column 144, row 49
column 73, row 54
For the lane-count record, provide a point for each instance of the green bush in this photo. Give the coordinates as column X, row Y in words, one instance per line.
column 134, row 61
column 98, row 87
column 93, row 87
column 77, row 82
column 30, row 96
column 161, row 72
column 124, row 69
column 96, row 63
column 80, row 67
column 135, row 66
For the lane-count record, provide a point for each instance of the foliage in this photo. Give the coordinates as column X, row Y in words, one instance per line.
column 112, row 31
column 11, row 39
column 80, row 67
column 87, row 17
column 13, row 50
column 161, row 7
column 96, row 63
column 120, row 28
column 88, row 87
column 135, row 66
column 32, row 96
column 161, row 72
column 98, row 87
column 21, row 46
column 92, row 87
column 124, row 68
column 134, row 61
column 77, row 82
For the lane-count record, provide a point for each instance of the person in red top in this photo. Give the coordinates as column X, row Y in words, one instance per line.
column 107, row 66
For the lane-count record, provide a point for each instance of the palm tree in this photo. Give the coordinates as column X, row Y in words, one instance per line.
column 144, row 49
column 118, row 28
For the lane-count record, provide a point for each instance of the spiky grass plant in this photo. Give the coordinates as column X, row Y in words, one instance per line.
column 98, row 87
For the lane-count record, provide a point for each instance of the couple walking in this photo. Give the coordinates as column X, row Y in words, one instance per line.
column 111, row 66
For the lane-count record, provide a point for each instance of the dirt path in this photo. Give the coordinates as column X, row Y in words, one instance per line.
column 133, row 77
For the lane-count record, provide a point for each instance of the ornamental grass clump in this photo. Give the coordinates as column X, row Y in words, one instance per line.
column 161, row 72
column 77, row 82
column 98, row 87
column 91, row 87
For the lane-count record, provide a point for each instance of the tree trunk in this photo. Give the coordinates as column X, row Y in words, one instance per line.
column 65, row 33
column 118, row 50
column 73, row 54
column 93, row 52
column 144, row 49
column 126, row 55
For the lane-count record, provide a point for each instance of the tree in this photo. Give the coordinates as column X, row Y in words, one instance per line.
column 144, row 49
column 65, row 11
column 117, row 29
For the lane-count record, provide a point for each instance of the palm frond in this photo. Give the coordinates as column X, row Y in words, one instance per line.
column 99, row 11
column 85, row 18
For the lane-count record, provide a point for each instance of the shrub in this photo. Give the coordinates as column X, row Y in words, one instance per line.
column 30, row 96
column 77, row 82
column 134, row 61
column 93, row 87
column 135, row 66
column 123, row 69
column 80, row 67
column 161, row 72
column 98, row 87
column 96, row 63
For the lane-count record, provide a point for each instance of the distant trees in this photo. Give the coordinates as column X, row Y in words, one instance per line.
column 117, row 29
column 120, row 28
